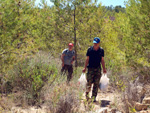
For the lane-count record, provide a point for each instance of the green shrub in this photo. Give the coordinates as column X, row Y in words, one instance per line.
column 31, row 74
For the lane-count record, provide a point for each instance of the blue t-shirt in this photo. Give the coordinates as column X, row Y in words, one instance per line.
column 95, row 57
column 68, row 56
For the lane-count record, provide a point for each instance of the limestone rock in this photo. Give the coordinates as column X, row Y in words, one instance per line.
column 113, row 110
column 148, row 111
column 139, row 106
column 104, row 110
column 143, row 111
column 146, row 100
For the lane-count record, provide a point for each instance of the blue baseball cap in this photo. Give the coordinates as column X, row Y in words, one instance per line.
column 96, row 40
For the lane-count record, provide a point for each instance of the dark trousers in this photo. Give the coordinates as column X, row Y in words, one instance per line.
column 68, row 68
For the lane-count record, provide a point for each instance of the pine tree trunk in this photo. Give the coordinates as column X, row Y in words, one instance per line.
column 75, row 47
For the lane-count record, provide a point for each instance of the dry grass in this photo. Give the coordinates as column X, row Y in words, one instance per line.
column 135, row 92
column 55, row 93
column 68, row 104
column 58, row 97
column 62, row 97
column 133, row 86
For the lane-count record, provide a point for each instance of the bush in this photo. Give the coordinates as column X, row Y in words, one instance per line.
column 68, row 104
column 135, row 92
column 31, row 74
column 61, row 97
column 37, row 81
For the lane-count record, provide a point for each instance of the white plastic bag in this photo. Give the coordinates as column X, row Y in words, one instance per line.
column 104, row 81
column 82, row 81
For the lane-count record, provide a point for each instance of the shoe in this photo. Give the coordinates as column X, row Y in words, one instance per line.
column 93, row 98
column 87, row 99
column 87, row 96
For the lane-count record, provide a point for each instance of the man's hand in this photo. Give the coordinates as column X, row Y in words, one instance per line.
column 62, row 64
column 103, row 65
column 62, row 59
column 73, row 59
column 71, row 62
column 86, row 63
column 84, row 70
column 104, row 71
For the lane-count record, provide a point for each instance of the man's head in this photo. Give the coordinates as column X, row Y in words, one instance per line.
column 96, row 41
column 70, row 46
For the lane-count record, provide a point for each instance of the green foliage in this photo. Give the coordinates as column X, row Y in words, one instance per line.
column 26, row 29
column 112, row 10
column 132, row 110
column 137, row 52
column 31, row 74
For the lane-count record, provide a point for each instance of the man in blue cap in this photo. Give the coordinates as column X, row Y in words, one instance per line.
column 95, row 57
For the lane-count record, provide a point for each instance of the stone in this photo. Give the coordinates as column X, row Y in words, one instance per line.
column 108, row 106
column 102, row 110
column 113, row 110
column 146, row 100
column 146, row 111
column 143, row 111
column 139, row 106
column 105, row 111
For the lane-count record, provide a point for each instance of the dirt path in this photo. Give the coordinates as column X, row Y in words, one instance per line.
column 106, row 102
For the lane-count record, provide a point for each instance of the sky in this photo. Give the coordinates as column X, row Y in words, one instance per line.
column 104, row 2
column 112, row 2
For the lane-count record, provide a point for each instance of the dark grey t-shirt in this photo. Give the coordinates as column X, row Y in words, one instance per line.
column 68, row 56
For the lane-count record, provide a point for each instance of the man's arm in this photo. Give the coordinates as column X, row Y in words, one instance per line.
column 62, row 59
column 103, row 65
column 73, row 59
column 86, row 63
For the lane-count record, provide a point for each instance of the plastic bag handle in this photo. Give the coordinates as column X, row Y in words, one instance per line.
column 105, row 74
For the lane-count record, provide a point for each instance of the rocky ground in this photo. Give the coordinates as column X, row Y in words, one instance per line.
column 109, row 101
column 106, row 102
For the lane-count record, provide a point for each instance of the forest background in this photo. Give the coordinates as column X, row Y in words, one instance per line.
column 27, row 30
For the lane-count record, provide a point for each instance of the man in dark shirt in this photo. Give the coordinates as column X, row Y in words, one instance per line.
column 95, row 57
